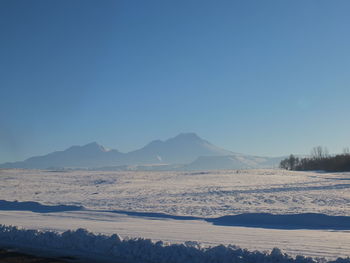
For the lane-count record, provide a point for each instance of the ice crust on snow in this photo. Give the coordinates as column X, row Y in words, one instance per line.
column 114, row 249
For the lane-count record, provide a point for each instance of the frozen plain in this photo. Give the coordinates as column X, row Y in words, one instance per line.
column 197, row 194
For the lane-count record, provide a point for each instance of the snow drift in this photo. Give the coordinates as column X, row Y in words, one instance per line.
column 114, row 249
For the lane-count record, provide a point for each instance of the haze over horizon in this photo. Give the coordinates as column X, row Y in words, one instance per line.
column 254, row 77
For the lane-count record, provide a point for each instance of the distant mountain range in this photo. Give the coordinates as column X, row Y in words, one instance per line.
column 186, row 151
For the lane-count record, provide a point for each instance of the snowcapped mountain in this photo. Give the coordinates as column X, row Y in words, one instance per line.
column 186, row 150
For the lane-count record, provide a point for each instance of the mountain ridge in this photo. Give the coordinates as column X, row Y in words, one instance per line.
column 184, row 150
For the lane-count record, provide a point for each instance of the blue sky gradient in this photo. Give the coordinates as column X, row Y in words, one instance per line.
column 259, row 77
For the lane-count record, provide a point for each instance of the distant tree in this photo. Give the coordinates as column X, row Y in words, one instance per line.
column 319, row 152
column 293, row 161
column 284, row 164
column 289, row 163
column 319, row 160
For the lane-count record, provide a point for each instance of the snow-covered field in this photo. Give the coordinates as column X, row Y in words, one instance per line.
column 206, row 194
column 196, row 194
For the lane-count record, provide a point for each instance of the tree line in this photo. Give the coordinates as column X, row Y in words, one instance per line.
column 319, row 159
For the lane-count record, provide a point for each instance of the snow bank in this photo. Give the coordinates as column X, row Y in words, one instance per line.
column 114, row 249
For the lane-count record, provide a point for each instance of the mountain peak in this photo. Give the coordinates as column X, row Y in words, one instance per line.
column 92, row 146
column 186, row 136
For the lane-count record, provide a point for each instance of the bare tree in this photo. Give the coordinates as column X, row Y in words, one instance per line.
column 319, row 152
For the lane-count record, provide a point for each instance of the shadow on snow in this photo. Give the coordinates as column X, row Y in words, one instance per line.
column 258, row 220
column 36, row 207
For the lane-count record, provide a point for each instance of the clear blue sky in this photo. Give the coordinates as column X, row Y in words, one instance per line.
column 258, row 77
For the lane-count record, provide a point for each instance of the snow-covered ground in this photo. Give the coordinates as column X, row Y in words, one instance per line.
column 197, row 194
column 206, row 194
column 314, row 243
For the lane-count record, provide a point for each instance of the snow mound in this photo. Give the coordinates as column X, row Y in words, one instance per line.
column 113, row 248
